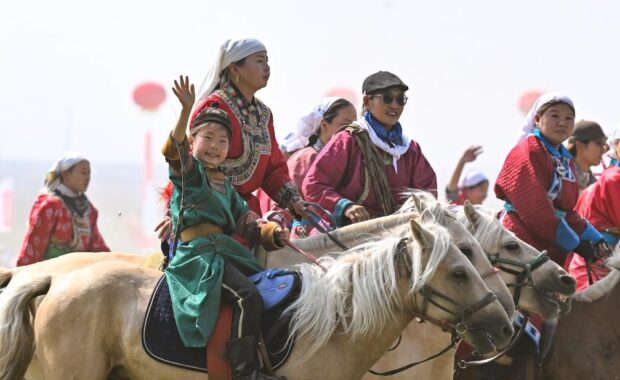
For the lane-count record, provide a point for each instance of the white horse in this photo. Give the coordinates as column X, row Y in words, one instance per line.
column 345, row 318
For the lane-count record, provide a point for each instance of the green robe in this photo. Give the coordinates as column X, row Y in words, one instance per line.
column 195, row 273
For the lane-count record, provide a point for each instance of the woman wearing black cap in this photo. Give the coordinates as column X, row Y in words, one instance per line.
column 362, row 171
column 587, row 145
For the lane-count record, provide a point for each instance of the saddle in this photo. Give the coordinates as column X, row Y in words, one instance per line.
column 161, row 340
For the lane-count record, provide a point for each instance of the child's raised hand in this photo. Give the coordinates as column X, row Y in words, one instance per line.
column 185, row 92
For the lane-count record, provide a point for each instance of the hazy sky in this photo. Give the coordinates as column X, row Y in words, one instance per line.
column 68, row 68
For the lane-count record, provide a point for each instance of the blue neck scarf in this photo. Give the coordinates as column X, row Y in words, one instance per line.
column 614, row 162
column 392, row 137
column 561, row 151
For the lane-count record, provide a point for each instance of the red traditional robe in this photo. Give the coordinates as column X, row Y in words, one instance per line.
column 254, row 159
column 54, row 230
column 336, row 177
column 523, row 181
column 600, row 204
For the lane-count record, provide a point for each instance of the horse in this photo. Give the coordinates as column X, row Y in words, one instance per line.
column 344, row 319
column 488, row 230
column 545, row 295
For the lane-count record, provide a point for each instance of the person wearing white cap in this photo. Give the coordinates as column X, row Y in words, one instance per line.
column 600, row 204
column 254, row 160
column 471, row 185
column 62, row 219
column 538, row 186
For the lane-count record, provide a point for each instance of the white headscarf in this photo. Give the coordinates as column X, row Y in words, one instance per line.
column 66, row 162
column 231, row 51
column 308, row 125
column 613, row 137
column 528, row 122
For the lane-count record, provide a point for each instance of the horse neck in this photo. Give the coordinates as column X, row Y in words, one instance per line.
column 345, row 358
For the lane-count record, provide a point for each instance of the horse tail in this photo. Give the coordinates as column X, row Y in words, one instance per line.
column 16, row 331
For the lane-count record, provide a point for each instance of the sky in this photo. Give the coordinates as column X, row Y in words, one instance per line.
column 68, row 67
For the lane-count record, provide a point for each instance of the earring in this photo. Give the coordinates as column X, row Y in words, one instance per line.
column 237, row 79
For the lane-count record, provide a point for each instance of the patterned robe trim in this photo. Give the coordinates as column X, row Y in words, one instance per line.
column 254, row 119
column 81, row 232
column 249, row 226
column 288, row 195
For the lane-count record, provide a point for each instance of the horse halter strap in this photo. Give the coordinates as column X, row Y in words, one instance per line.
column 524, row 277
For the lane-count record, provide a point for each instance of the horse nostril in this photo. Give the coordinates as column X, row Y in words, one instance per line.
column 508, row 331
column 568, row 280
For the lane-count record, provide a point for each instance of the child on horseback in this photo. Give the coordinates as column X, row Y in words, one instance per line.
column 206, row 210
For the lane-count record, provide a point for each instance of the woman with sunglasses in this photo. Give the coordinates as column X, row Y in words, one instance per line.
column 600, row 204
column 538, row 185
column 362, row 171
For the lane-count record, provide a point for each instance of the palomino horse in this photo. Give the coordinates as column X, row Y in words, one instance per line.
column 549, row 284
column 344, row 320
column 489, row 231
column 587, row 340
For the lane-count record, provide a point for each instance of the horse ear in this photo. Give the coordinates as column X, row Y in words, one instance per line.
column 472, row 215
column 427, row 217
column 417, row 202
column 421, row 235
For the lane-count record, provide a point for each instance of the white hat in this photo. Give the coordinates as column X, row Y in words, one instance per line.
column 471, row 177
column 308, row 125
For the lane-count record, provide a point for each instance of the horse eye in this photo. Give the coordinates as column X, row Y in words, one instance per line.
column 512, row 246
column 459, row 274
column 467, row 251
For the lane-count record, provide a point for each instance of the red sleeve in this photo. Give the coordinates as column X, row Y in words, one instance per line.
column 523, row 181
column 97, row 244
column 611, row 197
column 43, row 219
column 424, row 176
column 276, row 174
column 327, row 170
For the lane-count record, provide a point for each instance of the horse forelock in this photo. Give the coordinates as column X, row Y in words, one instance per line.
column 359, row 293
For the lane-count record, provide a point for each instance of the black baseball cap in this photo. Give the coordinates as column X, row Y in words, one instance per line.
column 382, row 80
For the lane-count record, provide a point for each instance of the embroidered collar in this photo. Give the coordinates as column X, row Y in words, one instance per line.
column 244, row 106
column 556, row 152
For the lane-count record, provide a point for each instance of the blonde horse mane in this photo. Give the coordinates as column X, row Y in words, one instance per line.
column 601, row 288
column 358, row 293
column 487, row 230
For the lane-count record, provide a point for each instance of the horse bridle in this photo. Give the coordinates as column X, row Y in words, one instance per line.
column 457, row 326
column 524, row 277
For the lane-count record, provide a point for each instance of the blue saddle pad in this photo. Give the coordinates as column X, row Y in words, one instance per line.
column 161, row 339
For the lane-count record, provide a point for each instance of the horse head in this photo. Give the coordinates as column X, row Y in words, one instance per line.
column 539, row 285
column 450, row 291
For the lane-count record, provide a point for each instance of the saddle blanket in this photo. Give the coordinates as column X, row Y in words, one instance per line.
column 161, row 340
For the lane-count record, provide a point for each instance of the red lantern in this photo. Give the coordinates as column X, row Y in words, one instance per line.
column 527, row 99
column 149, row 95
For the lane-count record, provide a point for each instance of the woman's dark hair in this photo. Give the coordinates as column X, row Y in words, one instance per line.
column 329, row 116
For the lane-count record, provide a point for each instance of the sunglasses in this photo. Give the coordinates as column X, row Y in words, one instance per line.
column 389, row 98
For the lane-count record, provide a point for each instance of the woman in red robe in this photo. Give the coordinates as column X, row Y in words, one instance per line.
column 539, row 187
column 62, row 219
column 254, row 160
column 363, row 170
column 600, row 204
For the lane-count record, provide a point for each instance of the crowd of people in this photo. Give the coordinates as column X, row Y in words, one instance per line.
column 229, row 171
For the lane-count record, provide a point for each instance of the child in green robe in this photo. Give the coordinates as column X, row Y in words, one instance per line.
column 206, row 210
